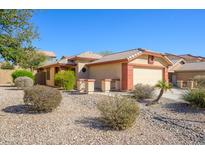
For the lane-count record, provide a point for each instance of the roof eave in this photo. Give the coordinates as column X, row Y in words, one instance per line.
column 108, row 62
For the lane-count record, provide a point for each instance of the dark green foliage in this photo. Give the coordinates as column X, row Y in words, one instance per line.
column 143, row 91
column 31, row 59
column 196, row 97
column 65, row 79
column 163, row 86
column 42, row 98
column 118, row 113
column 16, row 34
column 23, row 82
column 7, row 65
column 22, row 73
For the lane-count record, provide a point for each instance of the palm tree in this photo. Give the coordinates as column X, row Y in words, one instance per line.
column 163, row 86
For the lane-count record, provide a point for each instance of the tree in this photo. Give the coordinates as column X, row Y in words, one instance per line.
column 31, row 59
column 16, row 34
column 65, row 79
column 163, row 86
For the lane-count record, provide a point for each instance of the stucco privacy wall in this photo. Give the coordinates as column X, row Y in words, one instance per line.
column 185, row 76
column 5, row 76
column 109, row 71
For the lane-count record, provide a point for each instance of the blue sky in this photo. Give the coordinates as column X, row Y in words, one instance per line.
column 69, row 32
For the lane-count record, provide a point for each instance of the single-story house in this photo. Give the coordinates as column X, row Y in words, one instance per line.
column 177, row 61
column 128, row 67
column 76, row 63
column 189, row 70
column 185, row 67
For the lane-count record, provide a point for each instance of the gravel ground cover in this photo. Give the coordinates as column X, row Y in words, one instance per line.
column 75, row 122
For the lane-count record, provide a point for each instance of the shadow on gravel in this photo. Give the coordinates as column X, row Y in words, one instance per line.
column 172, row 120
column 182, row 107
column 7, row 86
column 20, row 109
column 95, row 123
column 14, row 89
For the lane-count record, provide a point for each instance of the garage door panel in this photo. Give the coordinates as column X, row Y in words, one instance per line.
column 147, row 76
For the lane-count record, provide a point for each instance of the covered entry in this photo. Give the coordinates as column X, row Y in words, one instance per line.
column 147, row 75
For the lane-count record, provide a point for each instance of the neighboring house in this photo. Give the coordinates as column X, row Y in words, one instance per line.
column 5, row 74
column 189, row 70
column 128, row 67
column 187, row 57
column 185, row 67
column 192, row 59
column 177, row 61
column 50, row 56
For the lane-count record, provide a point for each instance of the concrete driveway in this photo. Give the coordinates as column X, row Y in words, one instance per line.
column 175, row 94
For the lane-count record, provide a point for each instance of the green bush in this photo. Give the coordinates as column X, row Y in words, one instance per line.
column 196, row 97
column 118, row 113
column 7, row 65
column 65, row 79
column 22, row 73
column 23, row 82
column 42, row 98
column 143, row 91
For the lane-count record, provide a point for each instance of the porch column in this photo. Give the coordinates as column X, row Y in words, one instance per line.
column 180, row 83
column 127, row 77
column 190, row 84
column 81, row 85
column 165, row 74
column 105, row 85
column 90, row 86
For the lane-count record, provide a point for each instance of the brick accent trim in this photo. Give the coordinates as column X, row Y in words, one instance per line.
column 127, row 77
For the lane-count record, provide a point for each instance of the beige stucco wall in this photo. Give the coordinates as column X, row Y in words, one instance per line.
column 52, row 74
column 175, row 66
column 144, row 60
column 79, row 73
column 5, row 76
column 147, row 75
column 188, row 75
column 104, row 71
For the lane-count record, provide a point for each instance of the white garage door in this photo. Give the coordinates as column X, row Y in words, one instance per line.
column 147, row 76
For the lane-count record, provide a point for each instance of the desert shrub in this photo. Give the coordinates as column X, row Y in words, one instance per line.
column 65, row 79
column 196, row 97
column 200, row 79
column 22, row 82
column 143, row 91
column 118, row 113
column 7, row 65
column 42, row 98
column 22, row 73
